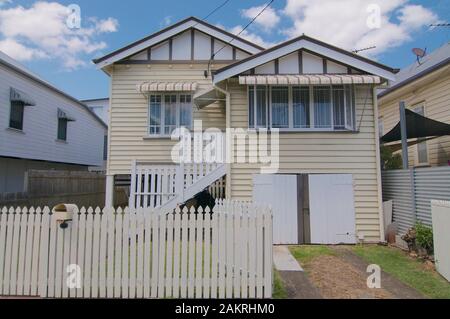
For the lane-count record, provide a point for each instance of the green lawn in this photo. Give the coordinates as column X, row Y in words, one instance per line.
column 279, row 292
column 410, row 271
column 305, row 254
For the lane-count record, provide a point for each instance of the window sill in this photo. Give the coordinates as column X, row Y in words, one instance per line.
column 61, row 141
column 15, row 130
column 284, row 131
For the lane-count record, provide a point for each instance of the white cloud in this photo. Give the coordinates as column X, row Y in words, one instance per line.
column 344, row 23
column 249, row 36
column 40, row 31
column 268, row 20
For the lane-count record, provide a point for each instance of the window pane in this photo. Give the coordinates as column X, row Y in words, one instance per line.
column 155, row 114
column 16, row 116
column 349, row 107
column 280, row 107
column 322, row 107
column 339, row 107
column 62, row 129
column 170, row 113
column 251, row 106
column 261, row 106
column 300, row 99
column 186, row 111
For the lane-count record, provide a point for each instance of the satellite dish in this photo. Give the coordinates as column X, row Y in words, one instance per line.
column 419, row 53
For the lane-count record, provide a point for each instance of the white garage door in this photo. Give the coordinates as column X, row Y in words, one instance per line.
column 280, row 192
column 332, row 209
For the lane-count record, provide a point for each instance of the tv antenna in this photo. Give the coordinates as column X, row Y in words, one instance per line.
column 356, row 51
column 439, row 25
column 420, row 54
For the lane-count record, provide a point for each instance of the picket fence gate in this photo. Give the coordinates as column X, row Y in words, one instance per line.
column 138, row 253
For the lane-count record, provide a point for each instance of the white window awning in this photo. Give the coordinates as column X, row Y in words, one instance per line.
column 208, row 97
column 22, row 97
column 63, row 116
column 148, row 87
column 309, row 79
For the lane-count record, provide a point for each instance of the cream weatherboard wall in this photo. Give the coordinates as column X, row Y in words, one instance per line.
column 129, row 138
column 434, row 95
column 335, row 152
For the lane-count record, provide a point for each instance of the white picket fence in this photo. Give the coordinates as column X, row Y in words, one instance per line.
column 138, row 253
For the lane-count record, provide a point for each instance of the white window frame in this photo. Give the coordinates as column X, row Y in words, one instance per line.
column 312, row 128
column 163, row 113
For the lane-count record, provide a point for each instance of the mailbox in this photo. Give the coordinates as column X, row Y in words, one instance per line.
column 63, row 213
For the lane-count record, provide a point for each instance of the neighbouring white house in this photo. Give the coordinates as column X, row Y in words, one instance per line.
column 100, row 107
column 321, row 101
column 43, row 128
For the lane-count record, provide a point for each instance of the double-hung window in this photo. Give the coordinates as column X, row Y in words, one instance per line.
column 16, row 115
column 62, row 129
column 301, row 108
column 168, row 112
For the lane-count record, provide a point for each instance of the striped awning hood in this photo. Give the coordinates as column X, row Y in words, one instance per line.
column 308, row 79
column 147, row 87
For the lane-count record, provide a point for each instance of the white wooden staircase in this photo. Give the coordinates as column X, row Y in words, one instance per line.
column 166, row 185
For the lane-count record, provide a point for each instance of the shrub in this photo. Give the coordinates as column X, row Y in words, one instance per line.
column 424, row 237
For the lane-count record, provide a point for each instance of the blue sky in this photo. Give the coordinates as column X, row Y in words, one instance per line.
column 34, row 32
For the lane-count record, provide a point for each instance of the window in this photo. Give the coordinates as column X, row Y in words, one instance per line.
column 16, row 115
column 302, row 107
column 280, row 107
column 300, row 104
column 258, row 106
column 168, row 112
column 105, row 147
column 322, row 107
column 422, row 149
column 62, row 129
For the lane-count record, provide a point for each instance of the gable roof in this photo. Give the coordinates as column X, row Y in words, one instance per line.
column 19, row 68
column 429, row 64
column 309, row 44
column 173, row 30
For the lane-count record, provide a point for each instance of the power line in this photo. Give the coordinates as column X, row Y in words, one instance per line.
column 235, row 36
column 215, row 10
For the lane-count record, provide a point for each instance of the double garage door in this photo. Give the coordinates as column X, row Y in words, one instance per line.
column 309, row 209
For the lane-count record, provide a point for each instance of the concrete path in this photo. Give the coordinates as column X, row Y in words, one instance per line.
column 283, row 259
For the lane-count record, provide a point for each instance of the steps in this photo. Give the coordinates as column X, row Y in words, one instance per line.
column 166, row 186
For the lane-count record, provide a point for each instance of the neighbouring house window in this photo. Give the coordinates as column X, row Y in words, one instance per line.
column 16, row 115
column 105, row 147
column 422, row 149
column 62, row 129
column 168, row 112
column 302, row 107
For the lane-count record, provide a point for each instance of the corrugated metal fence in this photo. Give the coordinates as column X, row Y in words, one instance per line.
column 412, row 191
